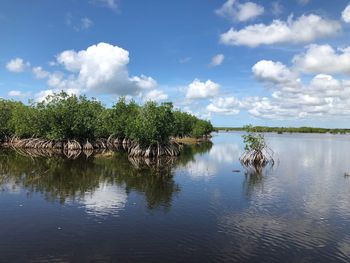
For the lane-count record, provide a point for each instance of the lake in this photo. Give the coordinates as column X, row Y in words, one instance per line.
column 194, row 208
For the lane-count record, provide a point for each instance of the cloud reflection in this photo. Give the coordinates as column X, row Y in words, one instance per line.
column 106, row 200
column 207, row 166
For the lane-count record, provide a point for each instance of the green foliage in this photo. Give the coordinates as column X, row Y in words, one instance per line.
column 62, row 117
column 121, row 117
column 186, row 124
column 71, row 117
column 153, row 124
column 202, row 127
column 253, row 140
column 27, row 121
column 6, row 109
column 183, row 123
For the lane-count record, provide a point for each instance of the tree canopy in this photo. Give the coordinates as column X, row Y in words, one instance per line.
column 64, row 117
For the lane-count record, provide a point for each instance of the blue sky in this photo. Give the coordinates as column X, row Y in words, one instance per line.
column 281, row 63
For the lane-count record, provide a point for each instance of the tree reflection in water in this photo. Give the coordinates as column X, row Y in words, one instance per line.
column 254, row 178
column 61, row 179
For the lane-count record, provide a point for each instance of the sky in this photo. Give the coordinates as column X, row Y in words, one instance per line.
column 274, row 63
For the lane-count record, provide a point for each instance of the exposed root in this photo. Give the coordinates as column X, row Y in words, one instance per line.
column 155, row 150
column 256, row 158
column 73, row 148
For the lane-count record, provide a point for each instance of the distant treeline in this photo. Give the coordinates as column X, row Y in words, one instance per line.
column 69, row 117
column 286, row 129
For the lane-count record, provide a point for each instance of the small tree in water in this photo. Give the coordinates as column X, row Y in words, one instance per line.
column 257, row 154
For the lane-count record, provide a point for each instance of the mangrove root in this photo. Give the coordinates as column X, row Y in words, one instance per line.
column 73, row 148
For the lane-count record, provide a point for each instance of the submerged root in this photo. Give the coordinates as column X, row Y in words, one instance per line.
column 157, row 165
column 88, row 146
column 257, row 158
column 72, row 148
column 155, row 150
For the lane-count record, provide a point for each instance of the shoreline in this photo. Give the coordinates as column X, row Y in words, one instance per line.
column 281, row 130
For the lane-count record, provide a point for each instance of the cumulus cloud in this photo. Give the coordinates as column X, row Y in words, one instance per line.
column 17, row 65
column 155, row 95
column 225, row 106
column 346, row 14
column 322, row 96
column 235, row 11
column 144, row 82
column 217, row 60
column 43, row 94
column 39, row 73
column 202, row 90
column 304, row 29
column 100, row 69
column 323, row 59
column 274, row 72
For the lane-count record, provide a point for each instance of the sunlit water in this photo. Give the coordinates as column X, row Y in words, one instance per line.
column 194, row 208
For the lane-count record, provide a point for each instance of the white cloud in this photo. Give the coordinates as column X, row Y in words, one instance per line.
column 225, row 106
column 346, row 14
column 235, row 11
column 39, row 73
column 17, row 65
column 277, row 8
column 86, row 23
column 202, row 90
column 217, row 60
column 274, row 72
column 323, row 96
column 323, row 59
column 17, row 93
column 82, row 24
column 100, row 69
column 304, row 29
column 42, row 95
column 144, row 82
column 14, row 93
column 155, row 95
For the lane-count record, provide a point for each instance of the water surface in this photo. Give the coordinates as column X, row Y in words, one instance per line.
column 194, row 208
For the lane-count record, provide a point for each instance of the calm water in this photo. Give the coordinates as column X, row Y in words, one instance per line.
column 191, row 209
